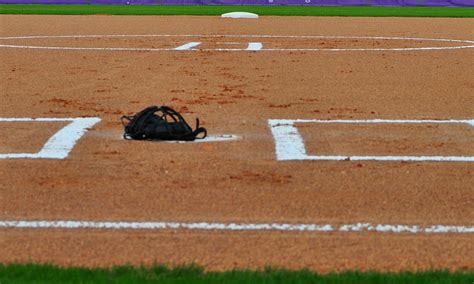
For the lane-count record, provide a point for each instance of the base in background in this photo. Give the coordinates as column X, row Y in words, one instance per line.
column 240, row 15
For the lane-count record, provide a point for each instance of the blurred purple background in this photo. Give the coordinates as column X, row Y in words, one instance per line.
column 446, row 3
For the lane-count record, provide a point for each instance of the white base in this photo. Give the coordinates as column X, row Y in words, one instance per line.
column 240, row 15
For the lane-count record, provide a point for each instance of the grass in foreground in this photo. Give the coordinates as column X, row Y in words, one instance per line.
column 370, row 11
column 27, row 273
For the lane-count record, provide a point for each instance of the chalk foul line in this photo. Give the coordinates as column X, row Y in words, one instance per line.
column 354, row 227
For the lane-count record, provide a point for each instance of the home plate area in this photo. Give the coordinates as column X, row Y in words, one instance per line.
column 332, row 143
column 440, row 137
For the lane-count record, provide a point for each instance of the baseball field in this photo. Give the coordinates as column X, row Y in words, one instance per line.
column 340, row 145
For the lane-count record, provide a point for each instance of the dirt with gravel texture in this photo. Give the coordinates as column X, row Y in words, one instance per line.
column 235, row 92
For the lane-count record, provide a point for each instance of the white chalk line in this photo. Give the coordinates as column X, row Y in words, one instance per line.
column 40, row 119
column 123, row 225
column 228, row 49
column 385, row 158
column 251, row 47
column 241, row 36
column 276, row 122
column 289, row 144
column 61, row 143
column 254, row 46
column 188, row 46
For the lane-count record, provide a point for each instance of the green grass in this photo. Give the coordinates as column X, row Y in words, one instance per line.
column 217, row 10
column 28, row 273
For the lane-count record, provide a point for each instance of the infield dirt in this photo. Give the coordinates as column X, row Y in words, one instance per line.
column 107, row 178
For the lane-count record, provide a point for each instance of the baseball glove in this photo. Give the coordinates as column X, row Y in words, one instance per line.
column 160, row 123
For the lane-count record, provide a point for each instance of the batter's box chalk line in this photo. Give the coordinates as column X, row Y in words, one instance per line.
column 252, row 44
column 61, row 143
column 289, row 143
column 215, row 226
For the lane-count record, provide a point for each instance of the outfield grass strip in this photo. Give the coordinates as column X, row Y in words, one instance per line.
column 46, row 273
column 367, row 11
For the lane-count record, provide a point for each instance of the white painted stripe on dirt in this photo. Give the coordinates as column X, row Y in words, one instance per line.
column 385, row 158
column 61, row 143
column 242, row 36
column 374, row 121
column 356, row 227
column 289, row 144
column 254, row 46
column 372, row 49
column 188, row 46
column 27, row 119
column 360, row 227
column 469, row 42
column 229, row 49
column 88, row 48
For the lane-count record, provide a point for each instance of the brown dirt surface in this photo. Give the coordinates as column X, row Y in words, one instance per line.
column 26, row 137
column 108, row 179
column 391, row 139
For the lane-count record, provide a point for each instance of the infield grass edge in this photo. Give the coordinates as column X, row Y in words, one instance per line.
column 47, row 273
column 209, row 10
